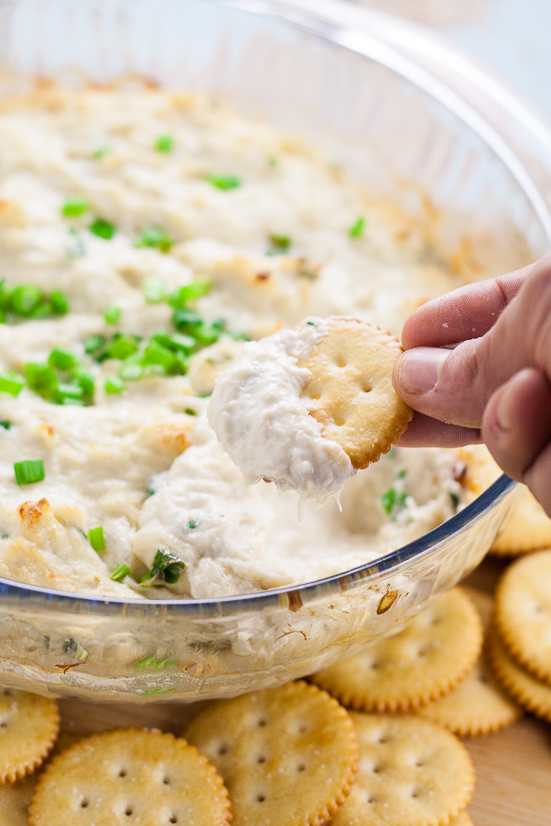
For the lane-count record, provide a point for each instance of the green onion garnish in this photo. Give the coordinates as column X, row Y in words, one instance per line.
column 454, row 500
column 97, row 540
column 103, row 229
column 112, row 314
column 131, row 369
column 272, row 160
column 180, row 297
column 166, row 566
column 281, row 242
column 114, row 385
column 11, row 382
column 155, row 353
column 224, row 182
column 85, row 379
column 189, row 411
column 59, row 303
column 73, row 207
column 155, row 237
column 153, row 289
column 151, row 662
column 93, row 345
column 62, row 359
column 6, row 424
column 102, row 151
column 24, row 299
column 164, row 143
column 42, row 379
column 120, row 572
column 392, row 501
column 357, row 229
column 122, row 347
column 29, row 471
column 401, row 473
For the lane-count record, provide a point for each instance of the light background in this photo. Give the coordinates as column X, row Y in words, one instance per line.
column 512, row 37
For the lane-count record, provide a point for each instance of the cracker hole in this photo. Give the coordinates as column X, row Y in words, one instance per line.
column 166, row 781
column 173, row 819
column 341, row 360
column 383, row 739
column 376, row 769
column 303, row 728
column 371, row 800
column 7, row 692
column 129, row 811
column 301, row 767
column 223, row 749
column 417, row 793
column 260, row 798
column 84, row 803
column 260, row 759
column 122, row 773
column 339, row 422
column 419, row 764
column 262, row 722
column 366, row 386
column 3, row 724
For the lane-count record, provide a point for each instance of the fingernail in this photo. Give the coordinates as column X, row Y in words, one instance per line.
column 502, row 412
column 420, row 368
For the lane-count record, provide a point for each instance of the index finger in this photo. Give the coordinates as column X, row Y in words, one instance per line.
column 465, row 313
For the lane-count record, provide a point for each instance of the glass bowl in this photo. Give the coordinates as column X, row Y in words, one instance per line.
column 391, row 124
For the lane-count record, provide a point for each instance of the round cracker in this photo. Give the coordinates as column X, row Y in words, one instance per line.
column 29, row 725
column 351, row 389
column 421, row 663
column 523, row 612
column 527, row 528
column 14, row 801
column 130, row 776
column 288, row 755
column 462, row 819
column 526, row 689
column 477, row 705
column 412, row 773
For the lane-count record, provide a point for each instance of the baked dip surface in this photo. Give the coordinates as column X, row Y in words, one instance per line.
column 144, row 237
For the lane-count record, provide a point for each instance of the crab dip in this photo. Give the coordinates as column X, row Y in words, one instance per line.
column 144, row 238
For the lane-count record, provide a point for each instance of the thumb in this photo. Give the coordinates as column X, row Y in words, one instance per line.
column 455, row 385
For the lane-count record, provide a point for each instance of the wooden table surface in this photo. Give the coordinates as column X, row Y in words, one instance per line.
column 513, row 766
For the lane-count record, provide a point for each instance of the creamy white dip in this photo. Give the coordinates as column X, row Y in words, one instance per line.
column 265, row 219
column 261, row 421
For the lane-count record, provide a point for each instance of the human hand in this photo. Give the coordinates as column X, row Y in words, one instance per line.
column 477, row 367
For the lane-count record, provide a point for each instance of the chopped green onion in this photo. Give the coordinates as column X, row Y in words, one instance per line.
column 401, row 473
column 153, row 289
column 97, row 540
column 120, row 572
column 59, row 302
column 155, row 353
column 153, row 692
column 164, row 143
column 207, row 334
column 112, row 314
column 29, row 471
column 93, row 345
column 189, row 411
column 6, row 424
column 73, row 207
column 357, row 229
column 62, row 359
column 391, row 453
column 180, row 297
column 454, row 499
column 81, row 653
column 281, row 242
column 42, row 379
column 66, row 391
column 24, row 299
column 272, row 160
column 392, row 501
column 103, row 229
column 85, row 379
column 151, row 662
column 155, row 237
column 186, row 321
column 11, row 382
column 192, row 524
column 102, row 151
column 114, row 385
column 224, row 182
column 122, row 347
column 131, row 369
column 167, row 566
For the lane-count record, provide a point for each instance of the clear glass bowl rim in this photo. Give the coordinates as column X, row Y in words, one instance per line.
column 345, row 37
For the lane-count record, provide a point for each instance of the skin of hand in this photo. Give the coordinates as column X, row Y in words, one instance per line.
column 477, row 367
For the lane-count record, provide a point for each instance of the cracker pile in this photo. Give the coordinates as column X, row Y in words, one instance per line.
column 294, row 755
